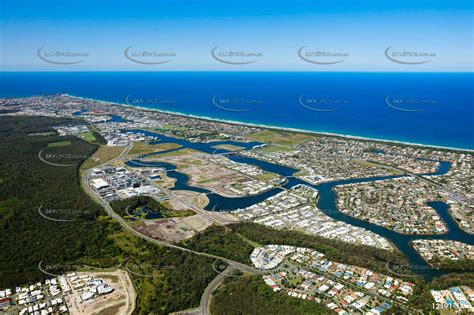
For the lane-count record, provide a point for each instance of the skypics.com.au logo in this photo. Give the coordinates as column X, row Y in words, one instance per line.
column 406, row 270
column 320, row 104
column 146, row 270
column 235, row 104
column 58, row 159
column 409, row 57
column 235, row 57
column 409, row 104
column 64, row 215
column 320, row 57
column 61, row 57
column 132, row 100
column 147, row 56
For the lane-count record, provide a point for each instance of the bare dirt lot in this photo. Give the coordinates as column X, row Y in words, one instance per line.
column 175, row 229
column 203, row 173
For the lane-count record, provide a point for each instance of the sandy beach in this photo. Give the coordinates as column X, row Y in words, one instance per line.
column 263, row 126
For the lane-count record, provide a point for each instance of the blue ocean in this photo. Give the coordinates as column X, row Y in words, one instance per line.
column 425, row 108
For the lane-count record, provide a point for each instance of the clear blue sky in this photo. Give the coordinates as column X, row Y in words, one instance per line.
column 361, row 30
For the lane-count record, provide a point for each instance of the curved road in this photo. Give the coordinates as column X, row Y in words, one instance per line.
column 126, row 226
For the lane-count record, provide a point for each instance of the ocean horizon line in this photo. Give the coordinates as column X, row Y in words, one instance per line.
column 232, row 71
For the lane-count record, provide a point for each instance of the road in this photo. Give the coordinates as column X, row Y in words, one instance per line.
column 209, row 215
column 126, row 226
column 206, row 296
column 203, row 308
column 233, row 265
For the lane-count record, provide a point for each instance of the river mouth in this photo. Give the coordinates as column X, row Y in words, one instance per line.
column 327, row 201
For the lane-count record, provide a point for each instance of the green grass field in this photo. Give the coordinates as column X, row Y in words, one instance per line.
column 228, row 147
column 207, row 180
column 180, row 152
column 87, row 136
column 170, row 128
column 267, row 176
column 145, row 148
column 295, row 281
column 59, row 144
column 279, row 141
column 102, row 155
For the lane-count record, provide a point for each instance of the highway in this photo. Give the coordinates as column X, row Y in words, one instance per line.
column 206, row 296
column 232, row 265
column 126, row 226
column 203, row 308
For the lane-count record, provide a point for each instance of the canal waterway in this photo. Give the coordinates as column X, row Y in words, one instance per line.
column 327, row 201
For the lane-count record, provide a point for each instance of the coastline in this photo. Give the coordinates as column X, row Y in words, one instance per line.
column 279, row 128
